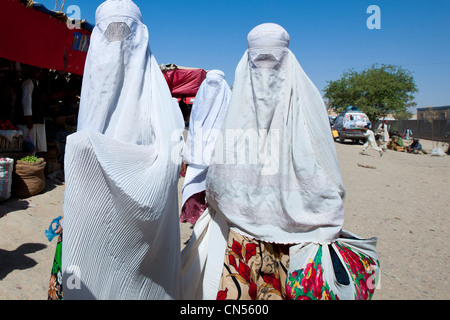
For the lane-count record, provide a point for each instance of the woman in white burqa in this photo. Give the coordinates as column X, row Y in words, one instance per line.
column 274, row 191
column 208, row 112
column 121, row 230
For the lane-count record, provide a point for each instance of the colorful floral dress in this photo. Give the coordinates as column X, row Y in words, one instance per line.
column 257, row 270
column 309, row 283
column 253, row 270
column 55, row 290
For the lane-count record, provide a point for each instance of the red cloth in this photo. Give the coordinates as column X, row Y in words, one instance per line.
column 33, row 37
column 184, row 82
column 77, row 47
column 193, row 208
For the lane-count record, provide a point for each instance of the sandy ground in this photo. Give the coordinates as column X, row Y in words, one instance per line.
column 402, row 199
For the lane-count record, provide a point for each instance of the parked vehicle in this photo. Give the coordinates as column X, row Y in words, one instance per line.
column 350, row 125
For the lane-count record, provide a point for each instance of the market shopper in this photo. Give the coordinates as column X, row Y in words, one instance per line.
column 208, row 112
column 274, row 190
column 408, row 133
column 30, row 114
column 383, row 131
column 121, row 229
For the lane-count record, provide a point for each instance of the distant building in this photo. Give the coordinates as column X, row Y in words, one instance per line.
column 387, row 117
column 433, row 113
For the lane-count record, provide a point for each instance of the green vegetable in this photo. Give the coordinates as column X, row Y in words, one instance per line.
column 30, row 159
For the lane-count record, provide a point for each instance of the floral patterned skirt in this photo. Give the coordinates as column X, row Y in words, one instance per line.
column 257, row 270
column 55, row 290
column 253, row 270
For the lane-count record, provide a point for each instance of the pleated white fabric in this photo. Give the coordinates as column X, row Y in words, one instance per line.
column 274, row 175
column 121, row 230
column 207, row 115
column 202, row 258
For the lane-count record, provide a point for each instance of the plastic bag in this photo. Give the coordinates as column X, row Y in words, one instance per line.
column 51, row 232
column 28, row 146
column 6, row 173
column 437, row 152
column 346, row 269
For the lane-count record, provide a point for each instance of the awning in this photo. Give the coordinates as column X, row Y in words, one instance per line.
column 184, row 82
column 76, row 50
column 39, row 37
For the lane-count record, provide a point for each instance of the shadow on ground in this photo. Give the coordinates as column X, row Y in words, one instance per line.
column 17, row 259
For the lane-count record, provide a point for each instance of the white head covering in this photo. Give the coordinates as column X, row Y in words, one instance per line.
column 208, row 111
column 275, row 174
column 118, row 61
column 121, row 231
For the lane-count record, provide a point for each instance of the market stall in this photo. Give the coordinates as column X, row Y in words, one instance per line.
column 37, row 38
column 183, row 84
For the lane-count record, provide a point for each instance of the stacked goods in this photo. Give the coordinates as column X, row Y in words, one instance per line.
column 6, row 171
column 10, row 139
column 7, row 125
column 396, row 143
column 29, row 177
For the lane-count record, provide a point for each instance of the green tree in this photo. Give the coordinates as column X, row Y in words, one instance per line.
column 377, row 91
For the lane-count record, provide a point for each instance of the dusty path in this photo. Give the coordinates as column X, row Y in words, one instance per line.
column 400, row 198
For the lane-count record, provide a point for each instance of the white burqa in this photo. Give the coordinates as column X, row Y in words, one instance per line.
column 207, row 115
column 121, row 230
column 275, row 175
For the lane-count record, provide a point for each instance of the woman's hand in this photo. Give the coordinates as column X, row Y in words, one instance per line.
column 183, row 169
column 59, row 230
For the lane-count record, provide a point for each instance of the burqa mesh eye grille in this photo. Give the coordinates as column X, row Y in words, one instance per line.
column 265, row 61
column 117, row 31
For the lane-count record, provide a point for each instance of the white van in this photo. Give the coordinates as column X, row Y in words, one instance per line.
column 350, row 125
